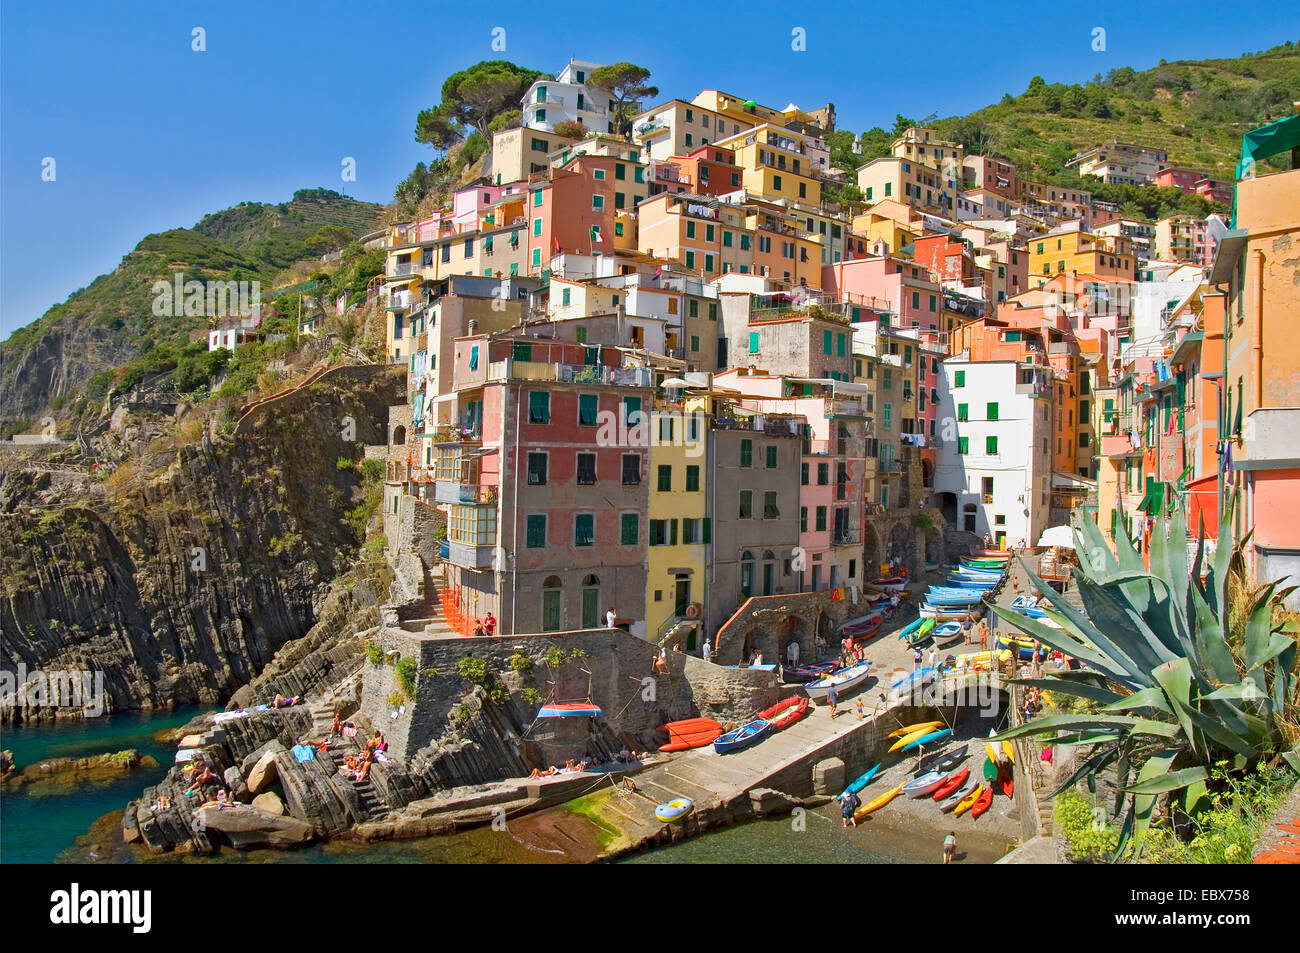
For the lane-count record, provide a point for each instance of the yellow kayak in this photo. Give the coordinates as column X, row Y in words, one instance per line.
column 969, row 801
column 991, row 750
column 879, row 802
column 912, row 729
column 1010, row 751
column 909, row 738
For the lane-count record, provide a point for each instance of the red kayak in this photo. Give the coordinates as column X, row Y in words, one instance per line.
column 785, row 713
column 953, row 782
column 690, row 733
column 982, row 802
column 1006, row 779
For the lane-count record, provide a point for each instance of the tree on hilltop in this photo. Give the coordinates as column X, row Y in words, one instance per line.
column 471, row 100
column 626, row 84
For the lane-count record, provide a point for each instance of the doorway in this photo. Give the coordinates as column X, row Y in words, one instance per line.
column 590, row 602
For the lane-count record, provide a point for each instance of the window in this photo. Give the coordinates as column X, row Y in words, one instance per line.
column 598, row 203
column 536, row 469
column 537, row 198
column 539, row 145
column 535, row 532
column 695, row 342
column 588, row 408
column 586, row 469
column 537, row 227
column 753, row 342
column 823, row 474
column 539, row 407
column 959, row 379
column 771, row 457
column 566, row 297
column 770, row 512
column 963, row 411
column 584, row 530
column 665, row 478
column 692, row 479
column 963, row 445
column 821, row 519
column 690, row 229
column 726, row 238
column 746, row 504
column 826, row 342
column 746, row 453
column 776, row 183
column 991, row 445
column 631, row 469
column 690, row 259
column 993, row 411
column 803, row 468
column 629, row 532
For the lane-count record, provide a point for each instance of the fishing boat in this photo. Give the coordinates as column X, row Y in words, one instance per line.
column 568, row 710
column 948, row 633
column 1023, row 647
column 984, row 565
column 1022, row 603
column 786, row 712
column 966, row 803
column 953, row 597
column 862, row 780
column 742, row 737
column 982, row 802
column 963, row 582
column 844, row 680
column 893, row 583
column 672, row 810
column 990, row 554
column 951, row 613
column 913, row 729
column 690, row 733
column 859, row 630
column 961, row 794
column 809, row 673
column 925, row 784
column 878, row 803
column 909, row 629
column 951, row 783
column 926, row 739
column 907, row 682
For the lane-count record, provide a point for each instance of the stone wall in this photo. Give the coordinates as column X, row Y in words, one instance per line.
column 615, row 669
column 769, row 624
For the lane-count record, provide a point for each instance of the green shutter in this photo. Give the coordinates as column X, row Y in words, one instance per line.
column 708, row 530
column 991, row 445
column 963, row 445
column 993, row 410
column 753, row 342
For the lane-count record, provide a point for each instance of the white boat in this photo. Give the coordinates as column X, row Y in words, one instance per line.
column 950, row 613
column 842, row 681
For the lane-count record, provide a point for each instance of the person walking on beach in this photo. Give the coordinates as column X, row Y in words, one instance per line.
column 849, row 804
column 949, row 847
column 708, row 651
column 831, row 697
column 861, row 711
column 934, row 658
column 984, row 635
column 916, row 658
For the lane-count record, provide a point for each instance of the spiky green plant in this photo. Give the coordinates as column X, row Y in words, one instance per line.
column 1177, row 694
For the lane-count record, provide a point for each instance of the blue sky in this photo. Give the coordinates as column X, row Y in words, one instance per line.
column 148, row 134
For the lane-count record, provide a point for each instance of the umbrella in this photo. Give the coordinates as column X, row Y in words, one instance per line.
column 1061, row 536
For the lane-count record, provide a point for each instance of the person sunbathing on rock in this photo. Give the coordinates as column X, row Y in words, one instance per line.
column 203, row 776
column 337, row 727
column 538, row 775
column 280, row 701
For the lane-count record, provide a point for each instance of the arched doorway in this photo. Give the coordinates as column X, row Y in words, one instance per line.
column 947, row 503
column 591, row 602
column 769, row 573
column 551, row 598
column 746, row 575
column 872, row 553
column 399, row 435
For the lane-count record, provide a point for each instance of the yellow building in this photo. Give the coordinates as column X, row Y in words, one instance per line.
column 776, row 163
column 679, row 530
column 906, row 181
column 873, row 226
column 1068, row 250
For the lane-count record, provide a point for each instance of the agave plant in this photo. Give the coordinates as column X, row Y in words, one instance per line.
column 1176, row 694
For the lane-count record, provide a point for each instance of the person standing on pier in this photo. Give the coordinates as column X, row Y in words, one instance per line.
column 831, row 697
column 792, row 653
column 708, row 651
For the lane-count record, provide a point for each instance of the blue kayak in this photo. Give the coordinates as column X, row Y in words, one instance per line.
column 862, row 781
column 742, row 737
column 926, row 739
column 907, row 680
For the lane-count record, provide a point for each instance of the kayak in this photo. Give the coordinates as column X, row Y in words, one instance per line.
column 925, row 784
column 690, row 733
column 910, row 737
column 927, row 739
column 942, row 760
column 977, row 661
column 863, row 780
column 1007, row 781
column 966, row 803
column 742, row 737
column 950, row 613
column 674, row 809
column 842, row 681
column 861, row 629
column 982, row 802
column 786, row 712
column 951, row 783
column 1024, row 647
column 911, row 627
column 961, row 795
column 878, row 802
column 907, row 682
column 919, row 726
column 1009, row 750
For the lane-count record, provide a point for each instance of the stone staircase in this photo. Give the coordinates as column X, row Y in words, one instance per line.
column 322, row 720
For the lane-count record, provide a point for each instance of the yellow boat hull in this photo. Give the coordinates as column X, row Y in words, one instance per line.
column 908, row 739
column 879, row 802
column 969, row 801
column 1010, row 751
column 912, row 729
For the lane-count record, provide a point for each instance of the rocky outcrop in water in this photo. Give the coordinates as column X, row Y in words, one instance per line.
column 180, row 586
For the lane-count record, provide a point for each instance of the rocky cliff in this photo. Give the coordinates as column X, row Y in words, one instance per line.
column 179, row 576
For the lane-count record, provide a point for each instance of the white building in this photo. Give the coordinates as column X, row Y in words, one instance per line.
column 993, row 468
column 568, row 98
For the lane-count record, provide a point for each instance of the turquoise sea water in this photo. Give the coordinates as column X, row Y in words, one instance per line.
column 38, row 822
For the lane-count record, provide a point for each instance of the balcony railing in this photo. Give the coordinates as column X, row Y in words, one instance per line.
column 510, row 369
column 846, row 538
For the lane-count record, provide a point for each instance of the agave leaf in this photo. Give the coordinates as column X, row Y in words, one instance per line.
column 1194, row 797
column 1176, row 679
column 1079, row 689
column 1153, row 726
column 1090, row 542
column 1215, row 730
column 1089, row 768
column 1073, row 619
column 1113, row 612
column 1282, row 677
column 1127, row 556
column 1271, row 649
column 1161, row 782
column 1155, row 772
column 1125, row 835
column 1153, row 697
column 1258, row 636
column 1069, row 643
column 1212, row 652
column 1292, row 758
column 1040, row 726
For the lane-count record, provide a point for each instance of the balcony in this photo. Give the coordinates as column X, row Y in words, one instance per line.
column 846, row 538
column 845, row 407
column 470, row 556
column 453, row 491
column 670, row 173
column 510, row 369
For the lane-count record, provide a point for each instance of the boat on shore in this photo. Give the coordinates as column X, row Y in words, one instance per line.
column 958, row 797
column 742, row 737
column 948, row 633
column 928, row 738
column 809, row 673
column 785, row 712
column 951, row 613
column 690, row 733
column 951, row 783
column 878, row 803
column 845, row 680
column 925, row 784
column 862, row 780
